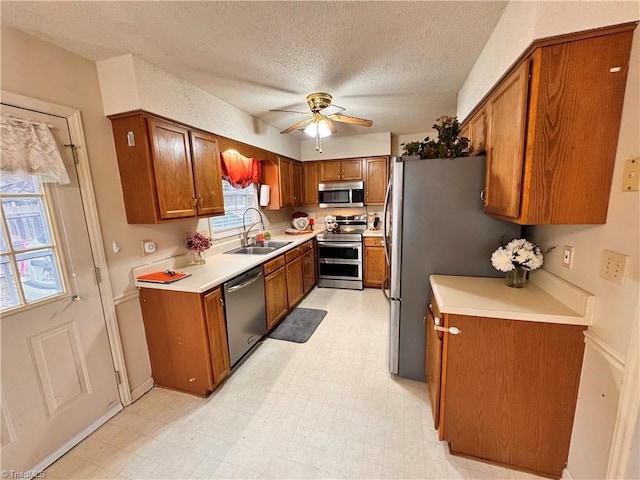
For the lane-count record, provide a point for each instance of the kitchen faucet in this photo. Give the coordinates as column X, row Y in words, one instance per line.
column 245, row 231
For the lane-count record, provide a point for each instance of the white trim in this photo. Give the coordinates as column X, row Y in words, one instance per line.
column 604, row 349
column 126, row 297
column 75, row 440
column 628, row 410
column 93, row 225
column 147, row 385
column 566, row 475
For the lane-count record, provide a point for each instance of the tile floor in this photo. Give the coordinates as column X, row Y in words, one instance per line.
column 324, row 409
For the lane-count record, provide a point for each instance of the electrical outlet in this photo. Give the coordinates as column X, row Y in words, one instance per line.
column 614, row 266
column 148, row 247
column 567, row 256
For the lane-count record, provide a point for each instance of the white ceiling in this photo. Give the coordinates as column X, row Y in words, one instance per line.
column 399, row 64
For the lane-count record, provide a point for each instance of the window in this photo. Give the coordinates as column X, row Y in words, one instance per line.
column 29, row 265
column 236, row 202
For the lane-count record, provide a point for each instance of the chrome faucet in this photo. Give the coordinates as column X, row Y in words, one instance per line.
column 245, row 232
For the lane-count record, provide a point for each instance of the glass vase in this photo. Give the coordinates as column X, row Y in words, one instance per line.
column 199, row 258
column 516, row 278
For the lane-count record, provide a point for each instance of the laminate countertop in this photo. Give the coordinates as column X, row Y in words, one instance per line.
column 219, row 268
column 546, row 298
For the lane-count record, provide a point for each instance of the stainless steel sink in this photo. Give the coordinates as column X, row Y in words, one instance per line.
column 261, row 248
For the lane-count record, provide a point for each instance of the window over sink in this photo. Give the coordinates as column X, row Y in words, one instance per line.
column 236, row 201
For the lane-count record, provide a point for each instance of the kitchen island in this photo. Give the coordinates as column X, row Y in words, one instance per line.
column 503, row 367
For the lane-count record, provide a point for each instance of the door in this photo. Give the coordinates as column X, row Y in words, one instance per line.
column 308, row 270
column 310, row 183
column 285, row 171
column 376, row 181
column 351, row 169
column 294, row 281
column 296, row 180
column 206, row 173
column 275, row 291
column 172, row 168
column 217, row 330
column 433, row 364
column 58, row 381
column 329, row 170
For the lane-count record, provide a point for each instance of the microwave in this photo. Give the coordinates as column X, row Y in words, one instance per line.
column 341, row 194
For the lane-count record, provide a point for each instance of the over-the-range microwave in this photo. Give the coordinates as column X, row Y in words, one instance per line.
column 341, row 194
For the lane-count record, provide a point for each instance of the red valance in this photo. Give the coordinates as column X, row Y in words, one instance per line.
column 239, row 170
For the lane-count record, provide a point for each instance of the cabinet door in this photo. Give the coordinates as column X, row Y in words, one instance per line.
column 478, row 132
column 217, row 330
column 295, row 289
column 296, row 180
column 308, row 270
column 507, row 109
column 285, row 172
column 275, row 292
column 309, row 183
column 433, row 366
column 351, row 169
column 374, row 266
column 172, row 169
column 330, row 170
column 207, row 174
column 375, row 183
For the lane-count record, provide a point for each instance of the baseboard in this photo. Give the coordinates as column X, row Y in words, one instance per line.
column 136, row 393
column 566, row 475
column 75, row 440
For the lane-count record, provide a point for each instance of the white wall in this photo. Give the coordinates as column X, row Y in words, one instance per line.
column 129, row 83
column 366, row 145
column 616, row 306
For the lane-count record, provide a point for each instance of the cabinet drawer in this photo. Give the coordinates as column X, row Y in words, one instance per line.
column 373, row 242
column 292, row 254
column 305, row 247
column 273, row 265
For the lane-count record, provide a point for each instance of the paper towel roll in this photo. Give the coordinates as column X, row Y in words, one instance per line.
column 265, row 190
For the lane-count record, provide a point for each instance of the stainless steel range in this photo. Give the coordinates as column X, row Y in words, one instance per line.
column 340, row 253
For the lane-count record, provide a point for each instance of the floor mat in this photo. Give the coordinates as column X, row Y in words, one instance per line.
column 299, row 325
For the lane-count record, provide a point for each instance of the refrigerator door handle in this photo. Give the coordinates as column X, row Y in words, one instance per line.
column 385, row 212
column 385, row 282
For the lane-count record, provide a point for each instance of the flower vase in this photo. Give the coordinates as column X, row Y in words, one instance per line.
column 516, row 278
column 199, row 258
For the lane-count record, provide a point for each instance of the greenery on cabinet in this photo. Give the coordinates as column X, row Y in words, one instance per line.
column 449, row 143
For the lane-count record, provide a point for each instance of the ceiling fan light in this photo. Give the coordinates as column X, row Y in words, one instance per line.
column 320, row 126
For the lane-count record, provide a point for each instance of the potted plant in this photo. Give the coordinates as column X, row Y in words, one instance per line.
column 449, row 143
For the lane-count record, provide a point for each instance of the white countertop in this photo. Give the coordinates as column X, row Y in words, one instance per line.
column 372, row 233
column 546, row 298
column 219, row 267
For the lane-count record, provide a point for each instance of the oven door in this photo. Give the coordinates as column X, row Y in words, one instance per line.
column 340, row 260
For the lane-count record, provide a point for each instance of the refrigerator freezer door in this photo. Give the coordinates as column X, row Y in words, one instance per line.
column 396, row 246
column 394, row 336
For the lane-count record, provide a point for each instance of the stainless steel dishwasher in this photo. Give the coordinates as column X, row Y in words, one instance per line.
column 245, row 312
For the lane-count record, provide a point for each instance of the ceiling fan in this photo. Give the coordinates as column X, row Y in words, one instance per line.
column 323, row 114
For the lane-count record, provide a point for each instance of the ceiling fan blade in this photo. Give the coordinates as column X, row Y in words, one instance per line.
column 298, row 125
column 332, row 109
column 354, row 120
column 331, row 125
column 290, row 111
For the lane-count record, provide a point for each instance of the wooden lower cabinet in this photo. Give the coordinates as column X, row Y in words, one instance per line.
column 375, row 264
column 295, row 287
column 187, row 339
column 275, row 291
column 507, row 390
column 308, row 266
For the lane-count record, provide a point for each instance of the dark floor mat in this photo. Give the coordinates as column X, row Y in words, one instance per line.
column 299, row 325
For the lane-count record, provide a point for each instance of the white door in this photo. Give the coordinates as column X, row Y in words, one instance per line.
column 58, row 380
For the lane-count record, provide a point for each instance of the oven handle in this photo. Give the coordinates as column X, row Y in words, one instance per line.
column 339, row 261
column 356, row 245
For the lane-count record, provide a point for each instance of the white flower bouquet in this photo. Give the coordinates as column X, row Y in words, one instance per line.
column 517, row 253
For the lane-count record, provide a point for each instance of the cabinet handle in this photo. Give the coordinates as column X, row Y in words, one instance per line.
column 201, row 200
column 195, row 201
column 451, row 330
column 221, row 302
column 483, row 194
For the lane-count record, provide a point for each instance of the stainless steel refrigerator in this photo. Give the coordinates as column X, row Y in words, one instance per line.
column 434, row 224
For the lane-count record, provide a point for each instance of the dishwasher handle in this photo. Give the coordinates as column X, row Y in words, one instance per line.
column 240, row 286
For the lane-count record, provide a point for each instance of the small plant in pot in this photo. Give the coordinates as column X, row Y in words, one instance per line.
column 448, row 145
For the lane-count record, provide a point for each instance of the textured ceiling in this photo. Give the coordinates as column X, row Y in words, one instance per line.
column 399, row 64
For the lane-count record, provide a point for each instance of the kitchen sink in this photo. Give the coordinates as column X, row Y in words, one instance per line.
column 261, row 248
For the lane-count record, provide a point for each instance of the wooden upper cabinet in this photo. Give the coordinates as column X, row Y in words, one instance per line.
column 285, row 167
column 296, row 183
column 207, row 173
column 375, row 180
column 310, row 183
column 335, row 170
column 553, row 130
column 477, row 132
column 167, row 170
column 172, row 168
column 508, row 107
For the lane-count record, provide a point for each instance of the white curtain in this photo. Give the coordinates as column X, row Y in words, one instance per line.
column 29, row 148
